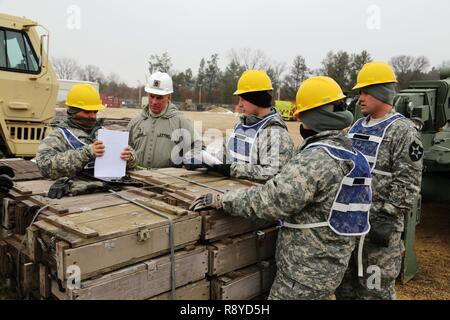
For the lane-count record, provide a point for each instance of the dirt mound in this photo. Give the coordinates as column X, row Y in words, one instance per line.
column 219, row 110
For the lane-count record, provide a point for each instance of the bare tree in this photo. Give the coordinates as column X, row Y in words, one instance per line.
column 91, row 73
column 275, row 71
column 66, row 68
column 409, row 68
column 357, row 61
column 162, row 63
column 250, row 59
column 444, row 64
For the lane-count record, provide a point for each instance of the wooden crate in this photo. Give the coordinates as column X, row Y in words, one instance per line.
column 235, row 253
column 106, row 239
column 7, row 210
column 244, row 284
column 28, row 270
column 215, row 224
column 23, row 169
column 21, row 215
column 24, row 189
column 195, row 291
column 142, row 281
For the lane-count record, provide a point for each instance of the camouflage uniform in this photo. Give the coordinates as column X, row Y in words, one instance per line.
column 393, row 196
column 56, row 158
column 273, row 149
column 153, row 137
column 311, row 262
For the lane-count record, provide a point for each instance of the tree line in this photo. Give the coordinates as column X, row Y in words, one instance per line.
column 213, row 85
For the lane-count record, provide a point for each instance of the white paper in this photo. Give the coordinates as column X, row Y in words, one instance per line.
column 209, row 159
column 203, row 157
column 110, row 166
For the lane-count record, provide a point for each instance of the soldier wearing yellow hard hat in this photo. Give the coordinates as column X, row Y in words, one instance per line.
column 321, row 107
column 260, row 144
column 321, row 198
column 394, row 150
column 72, row 146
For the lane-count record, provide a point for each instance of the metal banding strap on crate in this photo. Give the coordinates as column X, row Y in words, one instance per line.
column 171, row 239
column 190, row 181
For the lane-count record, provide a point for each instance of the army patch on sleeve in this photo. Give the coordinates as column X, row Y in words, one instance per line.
column 415, row 151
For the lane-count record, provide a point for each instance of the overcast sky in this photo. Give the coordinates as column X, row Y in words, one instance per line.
column 120, row 35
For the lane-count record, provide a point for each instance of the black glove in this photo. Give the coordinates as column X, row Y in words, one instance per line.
column 60, row 188
column 6, row 183
column 206, row 202
column 193, row 164
column 223, row 169
column 192, row 167
column 381, row 229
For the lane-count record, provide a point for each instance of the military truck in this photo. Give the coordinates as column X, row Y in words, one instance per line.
column 427, row 103
column 28, row 86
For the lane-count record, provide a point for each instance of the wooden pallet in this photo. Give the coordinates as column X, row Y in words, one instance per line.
column 244, row 284
column 120, row 235
column 235, row 253
column 144, row 280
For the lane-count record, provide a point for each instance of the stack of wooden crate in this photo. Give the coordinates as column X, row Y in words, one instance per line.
column 117, row 246
column 241, row 251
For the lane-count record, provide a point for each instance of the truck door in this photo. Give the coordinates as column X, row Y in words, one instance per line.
column 25, row 97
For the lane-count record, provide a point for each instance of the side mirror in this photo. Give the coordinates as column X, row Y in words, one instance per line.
column 420, row 115
column 41, row 50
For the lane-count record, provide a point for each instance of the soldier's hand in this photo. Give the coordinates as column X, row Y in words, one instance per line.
column 207, row 202
column 98, row 148
column 126, row 154
column 5, row 182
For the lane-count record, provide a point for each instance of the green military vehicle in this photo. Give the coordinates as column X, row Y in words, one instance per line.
column 427, row 103
column 28, row 86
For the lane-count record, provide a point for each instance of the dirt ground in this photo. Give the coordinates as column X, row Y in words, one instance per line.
column 432, row 282
column 205, row 120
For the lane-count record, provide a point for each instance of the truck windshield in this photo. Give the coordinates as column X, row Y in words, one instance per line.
column 16, row 53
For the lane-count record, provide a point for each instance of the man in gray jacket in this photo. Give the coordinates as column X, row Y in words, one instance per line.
column 161, row 134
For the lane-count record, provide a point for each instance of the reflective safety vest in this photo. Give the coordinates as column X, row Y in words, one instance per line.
column 242, row 140
column 75, row 143
column 72, row 139
column 368, row 138
column 349, row 214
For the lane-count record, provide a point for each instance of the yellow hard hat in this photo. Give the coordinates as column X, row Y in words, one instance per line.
column 252, row 81
column 85, row 97
column 375, row 73
column 316, row 92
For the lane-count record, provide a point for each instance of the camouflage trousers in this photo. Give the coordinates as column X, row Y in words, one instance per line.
column 381, row 267
column 284, row 288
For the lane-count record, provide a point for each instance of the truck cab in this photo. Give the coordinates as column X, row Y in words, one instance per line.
column 28, row 87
